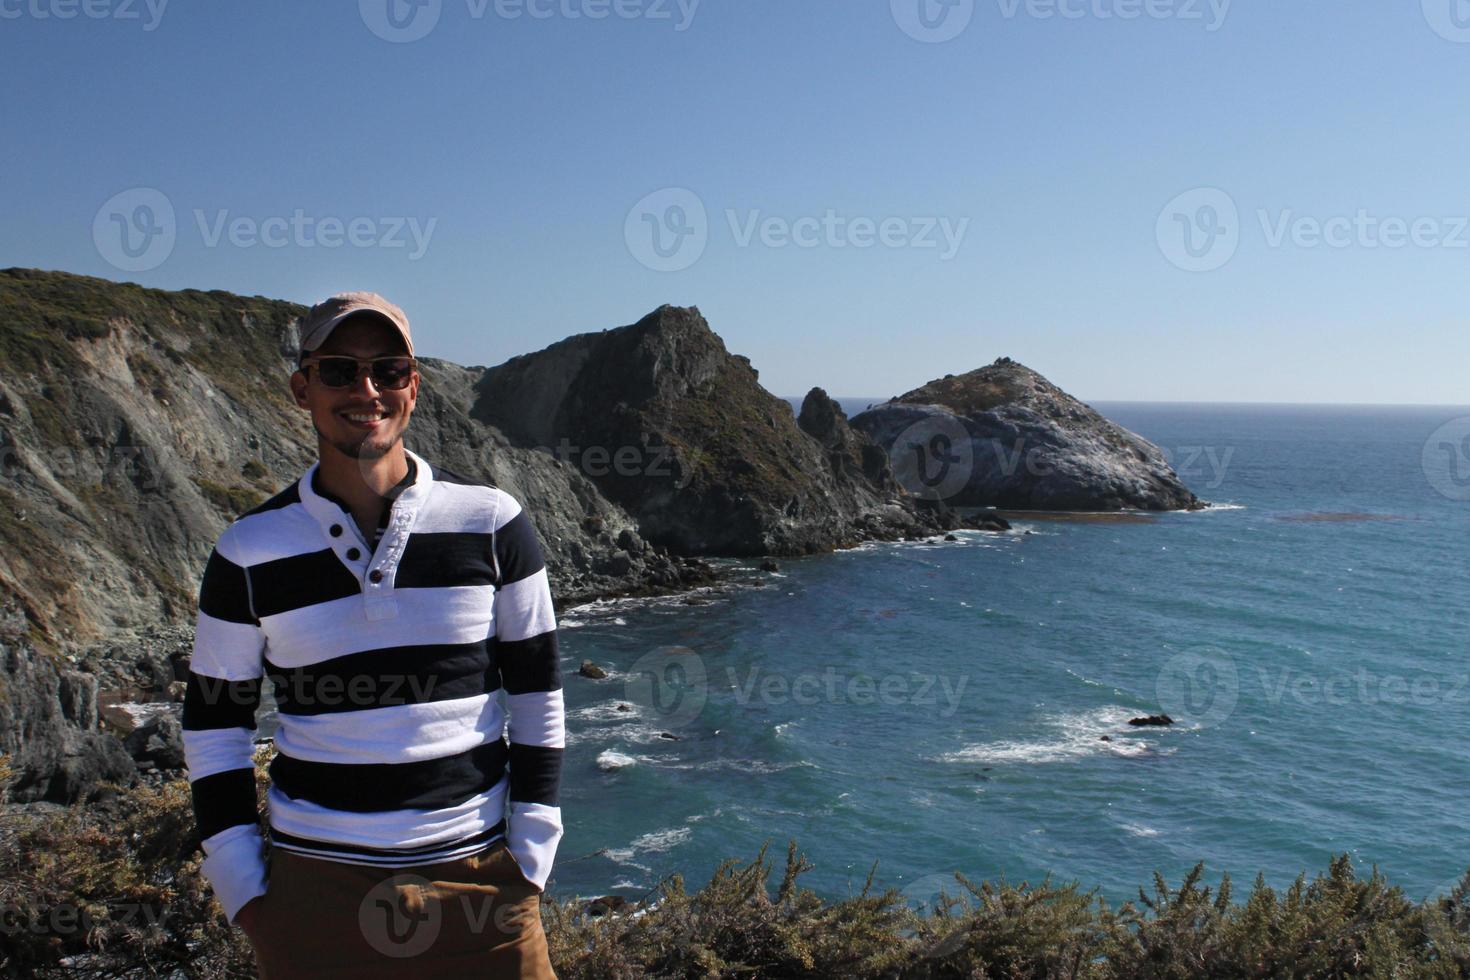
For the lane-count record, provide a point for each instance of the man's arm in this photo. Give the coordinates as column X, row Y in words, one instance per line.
column 525, row 652
column 218, row 722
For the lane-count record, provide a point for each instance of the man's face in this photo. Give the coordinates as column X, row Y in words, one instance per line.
column 338, row 413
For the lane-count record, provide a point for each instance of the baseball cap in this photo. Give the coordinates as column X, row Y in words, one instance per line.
column 323, row 318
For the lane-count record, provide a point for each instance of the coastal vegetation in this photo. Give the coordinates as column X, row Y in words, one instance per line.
column 114, row 890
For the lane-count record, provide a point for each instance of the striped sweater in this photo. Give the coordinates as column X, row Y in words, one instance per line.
column 386, row 663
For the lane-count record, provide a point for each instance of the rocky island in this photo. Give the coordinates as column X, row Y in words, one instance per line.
column 1003, row 436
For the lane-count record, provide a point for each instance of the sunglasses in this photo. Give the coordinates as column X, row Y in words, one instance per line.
column 390, row 373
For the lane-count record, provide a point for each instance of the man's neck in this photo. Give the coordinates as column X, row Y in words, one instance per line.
column 362, row 483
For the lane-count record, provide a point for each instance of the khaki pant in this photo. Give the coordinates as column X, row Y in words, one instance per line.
column 474, row 917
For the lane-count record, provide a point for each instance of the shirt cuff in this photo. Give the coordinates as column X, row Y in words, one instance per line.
column 533, row 832
column 234, row 866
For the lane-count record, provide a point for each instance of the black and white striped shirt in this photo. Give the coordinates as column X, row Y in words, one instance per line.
column 385, row 662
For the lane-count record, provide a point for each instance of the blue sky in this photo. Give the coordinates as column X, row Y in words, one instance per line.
column 882, row 202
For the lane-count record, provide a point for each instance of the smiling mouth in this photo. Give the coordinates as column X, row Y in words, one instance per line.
column 368, row 419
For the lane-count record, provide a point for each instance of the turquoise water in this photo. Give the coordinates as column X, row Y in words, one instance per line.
column 940, row 707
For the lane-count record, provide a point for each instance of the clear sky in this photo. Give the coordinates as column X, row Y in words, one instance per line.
column 1142, row 199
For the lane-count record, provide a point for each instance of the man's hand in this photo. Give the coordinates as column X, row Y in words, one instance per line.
column 248, row 918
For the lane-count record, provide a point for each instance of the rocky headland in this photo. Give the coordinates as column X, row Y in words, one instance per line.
column 1003, row 436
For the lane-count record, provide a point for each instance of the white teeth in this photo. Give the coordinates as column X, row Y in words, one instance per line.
column 366, row 418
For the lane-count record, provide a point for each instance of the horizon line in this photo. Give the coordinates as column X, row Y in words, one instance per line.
column 1166, row 401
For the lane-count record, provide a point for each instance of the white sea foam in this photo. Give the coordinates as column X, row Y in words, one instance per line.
column 611, row 760
column 631, row 732
column 606, row 711
column 1064, row 737
column 663, row 840
column 1139, row 830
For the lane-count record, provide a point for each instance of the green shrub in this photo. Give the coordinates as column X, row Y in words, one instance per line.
column 115, row 890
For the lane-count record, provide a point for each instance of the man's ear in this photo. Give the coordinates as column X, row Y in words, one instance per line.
column 298, row 387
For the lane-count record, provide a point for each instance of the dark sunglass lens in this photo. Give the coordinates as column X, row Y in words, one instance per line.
column 337, row 372
column 392, row 374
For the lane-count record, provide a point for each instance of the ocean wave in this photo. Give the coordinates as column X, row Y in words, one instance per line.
column 611, row 760
column 1067, row 737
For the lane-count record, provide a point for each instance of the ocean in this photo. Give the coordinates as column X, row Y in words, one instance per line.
column 964, row 706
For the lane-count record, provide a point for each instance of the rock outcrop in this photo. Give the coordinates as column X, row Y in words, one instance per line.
column 49, row 731
column 679, row 433
column 1003, row 436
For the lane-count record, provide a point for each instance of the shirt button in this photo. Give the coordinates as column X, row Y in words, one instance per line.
column 335, row 530
column 375, row 576
column 353, row 554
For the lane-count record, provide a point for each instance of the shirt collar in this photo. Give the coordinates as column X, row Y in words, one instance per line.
column 409, row 479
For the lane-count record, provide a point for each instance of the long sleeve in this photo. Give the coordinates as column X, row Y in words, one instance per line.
column 218, row 722
column 526, row 655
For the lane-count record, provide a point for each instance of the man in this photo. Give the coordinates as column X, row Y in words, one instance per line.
column 388, row 602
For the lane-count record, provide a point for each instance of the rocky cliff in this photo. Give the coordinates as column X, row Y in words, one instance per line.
column 677, row 431
column 1004, row 436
